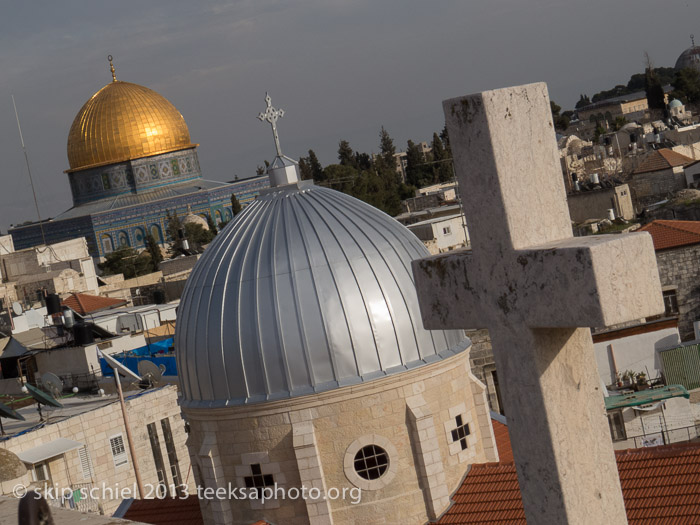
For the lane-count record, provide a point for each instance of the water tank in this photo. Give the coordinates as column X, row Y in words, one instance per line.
column 82, row 333
column 611, row 214
column 68, row 318
column 53, row 304
column 595, row 179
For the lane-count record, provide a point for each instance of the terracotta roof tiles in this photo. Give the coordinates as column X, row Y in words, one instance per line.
column 84, row 304
column 673, row 234
column 662, row 159
column 659, row 484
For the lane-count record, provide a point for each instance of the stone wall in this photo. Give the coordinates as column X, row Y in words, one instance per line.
column 679, row 268
column 410, row 415
column 655, row 186
column 595, row 204
column 483, row 365
column 94, row 428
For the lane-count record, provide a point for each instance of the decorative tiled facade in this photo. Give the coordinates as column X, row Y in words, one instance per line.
column 124, row 202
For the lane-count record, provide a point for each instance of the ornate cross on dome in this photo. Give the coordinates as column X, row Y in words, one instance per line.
column 111, row 68
column 271, row 115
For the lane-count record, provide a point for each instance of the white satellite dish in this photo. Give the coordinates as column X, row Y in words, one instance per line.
column 17, row 308
column 150, row 373
column 117, row 366
column 52, row 383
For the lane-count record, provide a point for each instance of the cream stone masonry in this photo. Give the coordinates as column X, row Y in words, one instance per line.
column 532, row 284
column 344, row 420
column 95, row 427
column 311, row 472
column 430, row 465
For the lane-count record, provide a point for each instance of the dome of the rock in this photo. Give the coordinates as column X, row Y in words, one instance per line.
column 307, row 290
column 125, row 121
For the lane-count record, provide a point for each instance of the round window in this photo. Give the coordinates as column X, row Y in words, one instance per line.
column 371, row 462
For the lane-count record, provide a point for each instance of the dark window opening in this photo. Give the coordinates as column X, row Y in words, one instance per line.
column 670, row 302
column 617, row 426
column 172, row 453
column 461, row 432
column 157, row 459
column 258, row 480
column 371, row 462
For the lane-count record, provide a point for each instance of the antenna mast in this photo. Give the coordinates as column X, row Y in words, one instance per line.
column 29, row 171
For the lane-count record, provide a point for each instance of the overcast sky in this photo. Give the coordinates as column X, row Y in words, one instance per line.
column 340, row 69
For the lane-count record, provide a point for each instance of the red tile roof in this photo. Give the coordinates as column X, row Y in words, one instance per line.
column 83, row 303
column 662, row 159
column 672, row 234
column 505, row 453
column 175, row 511
column 659, row 485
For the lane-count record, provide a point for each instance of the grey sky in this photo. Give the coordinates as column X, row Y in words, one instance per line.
column 340, row 69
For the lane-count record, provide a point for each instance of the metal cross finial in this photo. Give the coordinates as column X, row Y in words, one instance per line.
column 111, row 68
column 271, row 115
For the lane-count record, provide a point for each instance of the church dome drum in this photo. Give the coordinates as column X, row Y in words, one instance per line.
column 124, row 121
column 307, row 290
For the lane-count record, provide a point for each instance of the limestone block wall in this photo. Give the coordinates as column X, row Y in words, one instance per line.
column 678, row 268
column 409, row 415
column 96, row 427
column 483, row 366
column 656, row 185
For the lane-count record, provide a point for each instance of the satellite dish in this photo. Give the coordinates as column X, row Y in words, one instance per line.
column 117, row 366
column 42, row 397
column 7, row 412
column 150, row 373
column 52, row 383
column 17, row 308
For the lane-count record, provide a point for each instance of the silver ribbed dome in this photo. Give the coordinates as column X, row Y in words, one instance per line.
column 308, row 289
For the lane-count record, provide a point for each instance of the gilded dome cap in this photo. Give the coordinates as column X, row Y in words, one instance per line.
column 125, row 121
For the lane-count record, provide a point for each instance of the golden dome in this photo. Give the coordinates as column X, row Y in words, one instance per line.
column 124, row 121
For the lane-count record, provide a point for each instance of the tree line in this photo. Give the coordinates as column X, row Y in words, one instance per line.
column 376, row 178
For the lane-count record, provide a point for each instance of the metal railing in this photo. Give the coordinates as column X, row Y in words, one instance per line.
column 662, row 437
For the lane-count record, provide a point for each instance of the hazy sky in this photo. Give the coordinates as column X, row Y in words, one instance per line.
column 340, row 69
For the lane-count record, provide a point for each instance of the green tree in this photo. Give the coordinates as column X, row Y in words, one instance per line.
column 687, row 85
column 619, row 122
column 173, row 228
column 197, row 236
column 387, row 149
column 235, row 205
column 583, row 101
column 212, row 224
column 442, row 167
column 154, row 252
column 417, row 172
column 305, row 169
column 653, row 87
column 126, row 261
column 316, row 168
column 345, row 154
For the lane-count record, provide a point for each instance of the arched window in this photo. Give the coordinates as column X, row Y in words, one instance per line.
column 155, row 231
column 228, row 214
column 106, row 242
column 123, row 239
column 139, row 236
column 217, row 217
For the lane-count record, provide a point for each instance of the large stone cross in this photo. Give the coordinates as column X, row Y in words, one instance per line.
column 533, row 285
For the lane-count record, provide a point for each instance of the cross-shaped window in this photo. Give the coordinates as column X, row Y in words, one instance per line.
column 258, row 480
column 461, row 432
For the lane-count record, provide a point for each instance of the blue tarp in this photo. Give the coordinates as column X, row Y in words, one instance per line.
column 153, row 352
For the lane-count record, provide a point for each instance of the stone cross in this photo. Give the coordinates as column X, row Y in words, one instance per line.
column 534, row 286
column 271, row 115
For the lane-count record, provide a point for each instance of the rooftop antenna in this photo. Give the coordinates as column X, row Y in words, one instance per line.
column 29, row 171
column 692, row 40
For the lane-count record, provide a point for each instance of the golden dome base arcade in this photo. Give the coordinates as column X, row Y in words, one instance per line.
column 131, row 162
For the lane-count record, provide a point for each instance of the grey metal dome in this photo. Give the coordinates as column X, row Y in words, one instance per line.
column 307, row 290
column 689, row 58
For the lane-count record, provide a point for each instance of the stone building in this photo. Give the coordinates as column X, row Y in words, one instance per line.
column 442, row 234
column 677, row 245
column 131, row 162
column 597, row 203
column 658, row 175
column 304, row 365
column 84, row 446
